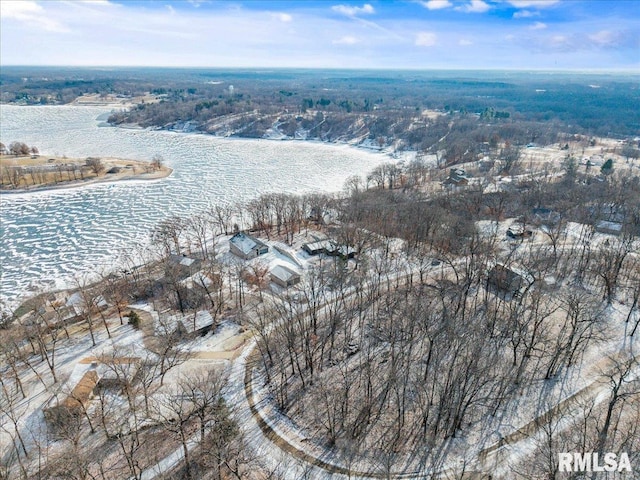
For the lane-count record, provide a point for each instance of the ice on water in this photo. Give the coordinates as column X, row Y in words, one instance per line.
column 48, row 237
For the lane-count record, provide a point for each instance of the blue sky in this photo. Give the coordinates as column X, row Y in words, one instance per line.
column 450, row 34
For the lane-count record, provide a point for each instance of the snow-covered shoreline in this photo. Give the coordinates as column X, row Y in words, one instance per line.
column 51, row 234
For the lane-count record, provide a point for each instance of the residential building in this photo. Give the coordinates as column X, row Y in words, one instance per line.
column 283, row 276
column 245, row 246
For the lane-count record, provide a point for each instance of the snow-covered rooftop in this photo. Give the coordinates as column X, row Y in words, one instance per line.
column 183, row 260
column 611, row 226
column 245, row 243
column 320, row 245
column 202, row 320
column 346, row 250
column 186, row 261
column 283, row 273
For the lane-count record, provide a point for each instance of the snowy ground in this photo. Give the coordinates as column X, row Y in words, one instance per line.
column 229, row 346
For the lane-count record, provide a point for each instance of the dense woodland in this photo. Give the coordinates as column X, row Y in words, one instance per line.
column 334, row 105
column 415, row 348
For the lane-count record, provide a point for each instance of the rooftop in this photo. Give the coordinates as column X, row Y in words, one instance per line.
column 246, row 243
column 283, row 273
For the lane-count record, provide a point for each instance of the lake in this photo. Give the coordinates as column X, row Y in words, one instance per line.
column 49, row 237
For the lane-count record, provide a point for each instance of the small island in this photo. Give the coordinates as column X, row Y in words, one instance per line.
column 25, row 170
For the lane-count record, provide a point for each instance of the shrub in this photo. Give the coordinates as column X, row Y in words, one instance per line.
column 134, row 319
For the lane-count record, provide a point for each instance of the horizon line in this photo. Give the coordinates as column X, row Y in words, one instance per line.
column 633, row 70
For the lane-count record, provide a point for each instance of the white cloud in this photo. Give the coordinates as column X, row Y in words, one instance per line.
column 15, row 8
column 579, row 41
column 538, row 26
column 525, row 14
column 346, row 40
column 436, row 4
column 559, row 40
column 603, row 38
column 532, row 3
column 141, row 33
column 476, row 6
column 350, row 11
column 283, row 17
column 31, row 14
column 98, row 3
column 426, row 39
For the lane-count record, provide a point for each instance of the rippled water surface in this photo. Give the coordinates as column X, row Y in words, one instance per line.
column 48, row 237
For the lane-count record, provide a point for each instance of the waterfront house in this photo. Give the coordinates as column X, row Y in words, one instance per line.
column 245, row 246
column 182, row 265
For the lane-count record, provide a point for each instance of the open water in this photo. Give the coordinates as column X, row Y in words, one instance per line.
column 48, row 238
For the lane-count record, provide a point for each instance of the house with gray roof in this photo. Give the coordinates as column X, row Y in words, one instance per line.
column 283, row 276
column 245, row 246
column 457, row 178
column 182, row 265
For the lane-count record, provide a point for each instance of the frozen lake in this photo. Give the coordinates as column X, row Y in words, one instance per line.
column 48, row 237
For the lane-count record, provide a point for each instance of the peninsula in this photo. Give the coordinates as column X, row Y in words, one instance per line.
column 33, row 172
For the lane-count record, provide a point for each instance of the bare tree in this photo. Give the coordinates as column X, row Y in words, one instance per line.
column 168, row 234
column 157, row 162
column 96, row 165
column 580, row 327
column 166, row 346
column 624, row 384
column 12, row 411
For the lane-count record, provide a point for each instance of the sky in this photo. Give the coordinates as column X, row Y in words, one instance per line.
column 411, row 34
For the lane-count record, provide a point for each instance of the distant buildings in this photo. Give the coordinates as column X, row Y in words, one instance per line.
column 545, row 216
column 457, row 178
column 519, row 231
column 201, row 323
column 611, row 228
column 316, row 248
column 610, row 218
